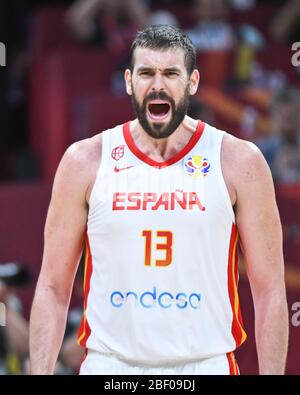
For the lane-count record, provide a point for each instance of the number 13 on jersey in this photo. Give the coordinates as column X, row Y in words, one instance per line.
column 160, row 240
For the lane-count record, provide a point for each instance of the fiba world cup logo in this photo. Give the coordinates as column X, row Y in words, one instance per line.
column 197, row 166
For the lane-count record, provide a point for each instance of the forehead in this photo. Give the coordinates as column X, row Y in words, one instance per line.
column 159, row 58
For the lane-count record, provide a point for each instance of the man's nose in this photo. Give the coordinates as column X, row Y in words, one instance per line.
column 158, row 82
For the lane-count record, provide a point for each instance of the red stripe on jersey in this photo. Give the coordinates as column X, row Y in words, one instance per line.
column 137, row 152
column 237, row 329
column 233, row 367
column 84, row 328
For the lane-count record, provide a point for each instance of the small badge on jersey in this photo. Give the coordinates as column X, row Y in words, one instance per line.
column 197, row 166
column 118, row 152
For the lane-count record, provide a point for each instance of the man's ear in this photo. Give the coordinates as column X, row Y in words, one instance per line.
column 194, row 82
column 127, row 77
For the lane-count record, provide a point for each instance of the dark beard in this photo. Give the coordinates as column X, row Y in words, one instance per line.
column 159, row 130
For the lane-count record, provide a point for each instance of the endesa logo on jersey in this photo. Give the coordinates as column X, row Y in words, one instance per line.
column 156, row 299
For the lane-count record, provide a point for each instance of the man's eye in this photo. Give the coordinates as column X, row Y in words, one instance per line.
column 171, row 73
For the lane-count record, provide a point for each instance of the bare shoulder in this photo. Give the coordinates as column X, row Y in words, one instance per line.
column 79, row 164
column 244, row 156
column 84, row 153
column 243, row 165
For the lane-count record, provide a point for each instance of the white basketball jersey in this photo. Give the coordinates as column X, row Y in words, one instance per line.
column 161, row 254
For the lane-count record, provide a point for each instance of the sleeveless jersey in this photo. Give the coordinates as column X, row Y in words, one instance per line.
column 161, row 267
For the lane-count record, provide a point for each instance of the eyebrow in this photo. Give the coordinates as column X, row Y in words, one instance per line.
column 168, row 69
column 173, row 68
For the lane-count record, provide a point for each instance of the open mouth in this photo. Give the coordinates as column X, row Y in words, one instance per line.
column 158, row 111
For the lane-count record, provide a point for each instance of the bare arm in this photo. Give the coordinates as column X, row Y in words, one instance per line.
column 64, row 234
column 17, row 332
column 17, row 326
column 285, row 20
column 136, row 11
column 260, row 232
column 71, row 353
column 81, row 17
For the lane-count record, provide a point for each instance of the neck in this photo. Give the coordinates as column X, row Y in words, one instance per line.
column 163, row 149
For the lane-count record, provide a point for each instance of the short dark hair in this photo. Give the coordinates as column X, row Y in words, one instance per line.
column 165, row 37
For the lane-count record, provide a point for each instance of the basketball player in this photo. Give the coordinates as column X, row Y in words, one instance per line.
column 162, row 203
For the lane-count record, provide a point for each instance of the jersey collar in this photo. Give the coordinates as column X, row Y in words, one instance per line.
column 145, row 158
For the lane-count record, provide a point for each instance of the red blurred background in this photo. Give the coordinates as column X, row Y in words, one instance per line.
column 59, row 89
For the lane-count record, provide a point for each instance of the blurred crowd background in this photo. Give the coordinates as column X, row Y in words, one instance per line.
column 63, row 81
